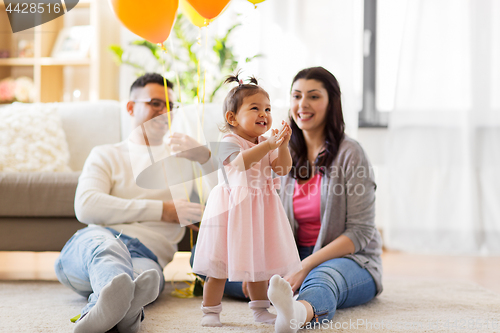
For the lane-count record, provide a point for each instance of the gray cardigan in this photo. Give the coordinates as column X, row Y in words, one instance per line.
column 347, row 207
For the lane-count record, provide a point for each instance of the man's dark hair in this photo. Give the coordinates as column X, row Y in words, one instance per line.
column 150, row 78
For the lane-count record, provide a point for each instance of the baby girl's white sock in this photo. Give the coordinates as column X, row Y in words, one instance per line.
column 291, row 314
column 260, row 313
column 211, row 315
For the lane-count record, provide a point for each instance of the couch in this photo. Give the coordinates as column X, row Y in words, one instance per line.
column 37, row 208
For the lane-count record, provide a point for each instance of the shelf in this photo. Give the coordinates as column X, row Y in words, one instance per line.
column 47, row 61
column 54, row 78
column 17, row 61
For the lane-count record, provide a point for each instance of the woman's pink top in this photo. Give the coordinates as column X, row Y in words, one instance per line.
column 306, row 209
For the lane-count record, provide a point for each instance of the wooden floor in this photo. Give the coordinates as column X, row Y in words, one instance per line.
column 484, row 271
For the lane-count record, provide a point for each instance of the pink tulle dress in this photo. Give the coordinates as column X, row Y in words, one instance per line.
column 245, row 234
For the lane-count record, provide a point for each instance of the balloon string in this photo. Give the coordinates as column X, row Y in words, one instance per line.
column 165, row 86
column 179, row 87
column 191, row 237
column 200, row 179
column 198, row 88
column 203, row 100
column 178, row 81
column 199, row 74
column 199, row 184
column 187, row 292
column 204, row 79
column 169, row 121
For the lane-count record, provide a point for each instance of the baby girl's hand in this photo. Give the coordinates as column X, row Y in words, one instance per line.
column 287, row 134
column 275, row 140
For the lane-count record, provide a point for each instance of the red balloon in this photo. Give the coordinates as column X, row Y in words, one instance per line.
column 151, row 19
column 209, row 9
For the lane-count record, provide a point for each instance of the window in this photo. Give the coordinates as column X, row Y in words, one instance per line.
column 384, row 22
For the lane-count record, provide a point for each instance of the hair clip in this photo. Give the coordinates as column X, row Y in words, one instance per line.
column 240, row 82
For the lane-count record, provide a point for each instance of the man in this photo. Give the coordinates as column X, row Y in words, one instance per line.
column 118, row 260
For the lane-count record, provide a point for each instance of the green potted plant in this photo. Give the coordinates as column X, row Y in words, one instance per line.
column 184, row 51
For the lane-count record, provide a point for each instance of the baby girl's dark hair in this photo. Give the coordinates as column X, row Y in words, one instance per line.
column 234, row 98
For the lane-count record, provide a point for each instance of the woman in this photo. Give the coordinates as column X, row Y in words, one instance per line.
column 329, row 197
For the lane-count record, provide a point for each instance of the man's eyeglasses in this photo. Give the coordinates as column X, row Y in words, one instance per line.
column 158, row 104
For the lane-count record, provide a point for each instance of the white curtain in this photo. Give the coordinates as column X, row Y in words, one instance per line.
column 294, row 34
column 444, row 134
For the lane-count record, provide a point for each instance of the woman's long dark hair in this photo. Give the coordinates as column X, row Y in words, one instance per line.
column 334, row 129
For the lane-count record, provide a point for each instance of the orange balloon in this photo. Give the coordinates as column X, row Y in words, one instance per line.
column 209, row 9
column 151, row 19
column 193, row 15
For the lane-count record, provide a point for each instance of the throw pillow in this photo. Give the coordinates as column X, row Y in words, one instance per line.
column 32, row 139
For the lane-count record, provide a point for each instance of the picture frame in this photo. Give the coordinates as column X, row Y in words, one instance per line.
column 73, row 42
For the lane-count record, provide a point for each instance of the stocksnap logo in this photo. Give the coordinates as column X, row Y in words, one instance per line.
column 26, row 14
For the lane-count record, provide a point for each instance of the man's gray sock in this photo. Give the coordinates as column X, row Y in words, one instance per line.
column 112, row 305
column 146, row 291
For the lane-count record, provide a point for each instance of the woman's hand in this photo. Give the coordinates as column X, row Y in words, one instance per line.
column 296, row 279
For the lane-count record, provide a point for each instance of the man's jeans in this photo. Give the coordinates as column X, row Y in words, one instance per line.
column 335, row 284
column 95, row 255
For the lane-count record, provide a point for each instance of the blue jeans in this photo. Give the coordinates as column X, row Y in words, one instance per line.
column 335, row 284
column 95, row 255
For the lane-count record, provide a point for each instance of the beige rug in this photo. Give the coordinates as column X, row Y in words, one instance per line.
column 405, row 306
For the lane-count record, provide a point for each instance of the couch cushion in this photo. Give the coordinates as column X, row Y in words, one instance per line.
column 36, row 233
column 32, row 139
column 89, row 124
column 38, row 193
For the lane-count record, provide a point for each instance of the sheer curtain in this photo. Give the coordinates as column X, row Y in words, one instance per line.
column 444, row 134
column 295, row 34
